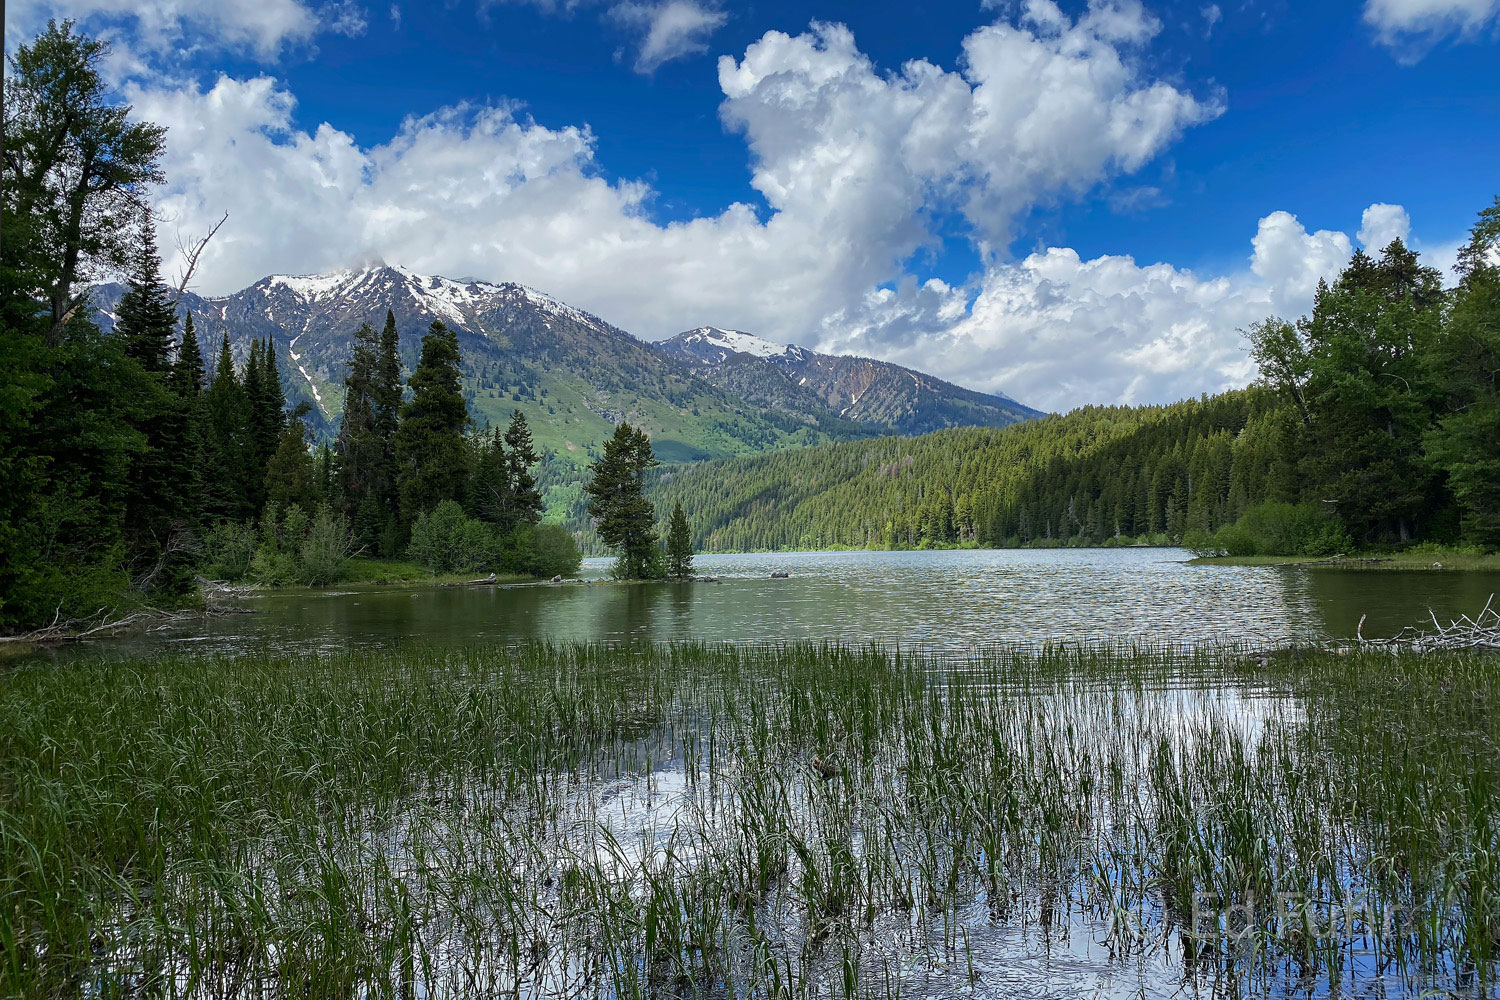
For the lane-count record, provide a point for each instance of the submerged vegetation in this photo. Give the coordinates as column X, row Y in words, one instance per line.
column 756, row 821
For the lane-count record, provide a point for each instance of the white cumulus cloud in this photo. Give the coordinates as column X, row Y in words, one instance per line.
column 1291, row 260
column 1381, row 224
column 854, row 164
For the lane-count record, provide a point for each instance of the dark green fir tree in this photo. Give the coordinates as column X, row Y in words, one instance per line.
column 432, row 457
column 623, row 517
column 679, row 545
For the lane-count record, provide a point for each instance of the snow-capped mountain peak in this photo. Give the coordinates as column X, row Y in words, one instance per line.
column 734, row 341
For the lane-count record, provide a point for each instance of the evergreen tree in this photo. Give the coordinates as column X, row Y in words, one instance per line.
column 361, row 452
column 159, row 509
column 523, row 500
column 488, row 487
column 387, row 404
column 431, row 455
column 1465, row 363
column 1355, row 369
column 144, row 320
column 267, row 418
column 623, row 517
column 679, row 545
column 290, row 475
column 187, row 373
column 386, row 397
column 227, row 450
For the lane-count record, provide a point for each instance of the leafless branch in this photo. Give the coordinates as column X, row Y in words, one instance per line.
column 191, row 254
column 1482, row 631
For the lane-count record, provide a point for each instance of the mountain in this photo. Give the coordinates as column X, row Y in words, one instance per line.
column 571, row 373
column 797, row 381
column 708, row 394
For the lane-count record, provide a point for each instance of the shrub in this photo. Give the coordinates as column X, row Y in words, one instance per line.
column 1234, row 540
column 228, row 549
column 542, row 550
column 1293, row 530
column 295, row 549
column 324, row 551
column 1201, row 544
column 445, row 540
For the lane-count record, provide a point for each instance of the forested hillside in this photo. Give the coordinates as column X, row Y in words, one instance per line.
column 1376, row 422
column 1095, row 474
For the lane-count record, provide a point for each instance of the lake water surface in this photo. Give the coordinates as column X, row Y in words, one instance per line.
column 950, row 600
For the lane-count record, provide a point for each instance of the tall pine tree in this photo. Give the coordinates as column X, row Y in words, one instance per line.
column 523, row 501
column 159, row 514
column 431, row 455
column 361, row 452
column 679, row 544
column 623, row 517
column 227, row 451
column 187, row 373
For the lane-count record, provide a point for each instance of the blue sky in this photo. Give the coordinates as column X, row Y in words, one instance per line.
column 968, row 221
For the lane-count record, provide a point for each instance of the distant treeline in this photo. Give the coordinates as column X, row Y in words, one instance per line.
column 1377, row 421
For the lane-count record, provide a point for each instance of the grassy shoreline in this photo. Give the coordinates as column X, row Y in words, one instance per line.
column 624, row 821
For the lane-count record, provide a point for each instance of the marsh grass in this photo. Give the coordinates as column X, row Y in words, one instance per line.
column 777, row 821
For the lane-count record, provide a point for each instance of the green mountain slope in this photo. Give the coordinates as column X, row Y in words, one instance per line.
column 1093, row 474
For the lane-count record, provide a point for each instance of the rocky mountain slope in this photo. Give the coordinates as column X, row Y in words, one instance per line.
column 704, row 394
column 572, row 374
column 796, row 380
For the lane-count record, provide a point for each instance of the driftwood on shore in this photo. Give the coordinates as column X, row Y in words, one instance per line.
column 109, row 621
column 1482, row 631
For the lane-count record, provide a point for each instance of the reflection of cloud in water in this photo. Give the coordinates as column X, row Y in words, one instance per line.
column 951, row 600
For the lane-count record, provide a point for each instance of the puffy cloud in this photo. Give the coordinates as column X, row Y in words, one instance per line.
column 1291, row 260
column 1412, row 27
column 1055, row 330
column 1381, row 224
column 670, row 29
column 853, row 163
column 265, row 27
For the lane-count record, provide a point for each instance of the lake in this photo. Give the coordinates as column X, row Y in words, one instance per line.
column 949, row 600
column 1079, row 821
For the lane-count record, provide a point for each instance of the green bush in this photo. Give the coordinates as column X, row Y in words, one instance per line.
column 294, row 549
column 445, row 540
column 1293, row 530
column 1235, row 540
column 542, row 550
column 1201, row 544
column 228, row 550
column 325, row 549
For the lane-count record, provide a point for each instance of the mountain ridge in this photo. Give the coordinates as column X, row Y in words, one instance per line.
column 888, row 395
column 572, row 373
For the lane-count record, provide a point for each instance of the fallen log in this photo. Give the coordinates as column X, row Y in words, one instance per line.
column 1481, row 631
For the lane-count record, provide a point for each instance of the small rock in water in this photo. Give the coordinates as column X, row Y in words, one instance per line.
column 778, row 575
column 557, row 578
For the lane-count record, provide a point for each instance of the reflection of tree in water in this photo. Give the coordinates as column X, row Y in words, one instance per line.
column 638, row 604
column 1390, row 600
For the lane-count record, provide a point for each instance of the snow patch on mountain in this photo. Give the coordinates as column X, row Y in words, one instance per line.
column 736, row 341
column 312, row 286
